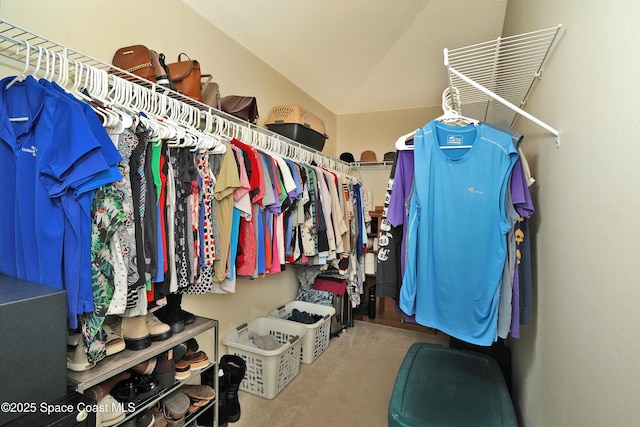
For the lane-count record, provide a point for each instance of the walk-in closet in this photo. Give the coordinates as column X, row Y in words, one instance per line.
column 363, row 213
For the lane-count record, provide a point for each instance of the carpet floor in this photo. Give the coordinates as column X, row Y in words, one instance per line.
column 349, row 384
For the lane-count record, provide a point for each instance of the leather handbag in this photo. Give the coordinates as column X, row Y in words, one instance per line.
column 243, row 107
column 136, row 59
column 186, row 77
column 210, row 91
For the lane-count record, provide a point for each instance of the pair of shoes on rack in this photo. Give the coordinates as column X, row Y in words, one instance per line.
column 77, row 359
column 188, row 358
column 174, row 408
column 136, row 389
column 139, row 332
column 199, row 395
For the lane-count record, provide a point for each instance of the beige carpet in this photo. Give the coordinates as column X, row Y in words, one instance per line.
column 349, row 384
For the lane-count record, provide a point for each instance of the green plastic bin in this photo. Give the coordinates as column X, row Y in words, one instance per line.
column 438, row 386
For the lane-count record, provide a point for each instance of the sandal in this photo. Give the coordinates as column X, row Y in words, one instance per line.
column 114, row 343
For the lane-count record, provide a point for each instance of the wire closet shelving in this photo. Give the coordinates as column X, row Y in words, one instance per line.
column 24, row 46
column 493, row 80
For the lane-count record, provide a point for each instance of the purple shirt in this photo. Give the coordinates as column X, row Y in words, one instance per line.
column 522, row 202
column 400, row 195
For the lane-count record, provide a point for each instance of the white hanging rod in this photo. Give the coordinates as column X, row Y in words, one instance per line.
column 508, row 65
column 13, row 43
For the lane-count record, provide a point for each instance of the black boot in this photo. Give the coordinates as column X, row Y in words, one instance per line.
column 173, row 314
column 206, row 419
column 234, row 368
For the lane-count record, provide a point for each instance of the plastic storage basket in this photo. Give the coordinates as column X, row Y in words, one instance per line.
column 268, row 371
column 317, row 337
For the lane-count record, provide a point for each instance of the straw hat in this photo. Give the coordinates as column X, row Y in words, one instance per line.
column 368, row 156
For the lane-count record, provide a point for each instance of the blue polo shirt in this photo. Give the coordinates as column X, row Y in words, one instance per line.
column 42, row 148
column 78, row 218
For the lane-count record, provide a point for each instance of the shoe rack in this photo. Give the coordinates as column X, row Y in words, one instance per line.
column 384, row 310
column 126, row 359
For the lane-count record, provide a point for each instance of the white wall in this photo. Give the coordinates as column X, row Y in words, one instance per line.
column 577, row 364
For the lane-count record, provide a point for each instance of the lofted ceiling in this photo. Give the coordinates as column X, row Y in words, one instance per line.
column 358, row 56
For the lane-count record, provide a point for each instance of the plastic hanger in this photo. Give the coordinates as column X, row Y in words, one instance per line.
column 451, row 116
column 27, row 62
column 401, row 143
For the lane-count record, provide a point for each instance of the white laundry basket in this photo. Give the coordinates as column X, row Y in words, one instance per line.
column 318, row 334
column 268, row 371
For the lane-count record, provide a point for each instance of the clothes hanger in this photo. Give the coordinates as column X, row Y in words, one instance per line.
column 450, row 107
column 453, row 118
column 401, row 143
column 27, row 62
column 450, row 117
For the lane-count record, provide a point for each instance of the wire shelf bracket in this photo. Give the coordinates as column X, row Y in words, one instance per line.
column 495, row 78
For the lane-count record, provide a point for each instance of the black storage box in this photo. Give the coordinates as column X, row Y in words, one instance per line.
column 33, row 332
column 298, row 124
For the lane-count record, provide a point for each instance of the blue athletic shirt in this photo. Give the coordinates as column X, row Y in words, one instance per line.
column 38, row 160
column 457, row 230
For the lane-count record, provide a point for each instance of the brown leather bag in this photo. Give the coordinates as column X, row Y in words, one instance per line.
column 136, row 59
column 243, row 107
column 186, row 77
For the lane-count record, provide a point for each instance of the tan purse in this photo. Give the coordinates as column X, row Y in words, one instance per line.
column 210, row 91
column 186, row 77
column 136, row 59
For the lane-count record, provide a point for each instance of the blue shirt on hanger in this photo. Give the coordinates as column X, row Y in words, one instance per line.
column 46, row 150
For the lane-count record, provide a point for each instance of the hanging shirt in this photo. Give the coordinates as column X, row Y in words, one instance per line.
column 523, row 204
column 388, row 277
column 46, row 152
column 77, row 265
column 457, row 227
column 227, row 181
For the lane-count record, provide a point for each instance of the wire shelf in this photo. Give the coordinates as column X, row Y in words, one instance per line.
column 17, row 43
column 494, row 79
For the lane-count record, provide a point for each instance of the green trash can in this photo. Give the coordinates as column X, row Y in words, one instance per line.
column 438, row 386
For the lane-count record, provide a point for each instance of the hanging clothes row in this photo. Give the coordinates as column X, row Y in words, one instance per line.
column 121, row 195
column 454, row 238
